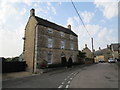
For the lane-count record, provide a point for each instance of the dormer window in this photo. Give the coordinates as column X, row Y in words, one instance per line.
column 50, row 30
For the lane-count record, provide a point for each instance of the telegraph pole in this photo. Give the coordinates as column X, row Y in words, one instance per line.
column 92, row 49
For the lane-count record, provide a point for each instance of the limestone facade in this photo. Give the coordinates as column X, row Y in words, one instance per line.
column 47, row 41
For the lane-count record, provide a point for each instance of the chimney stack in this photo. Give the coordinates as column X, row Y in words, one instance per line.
column 107, row 46
column 85, row 45
column 32, row 12
column 69, row 26
column 99, row 48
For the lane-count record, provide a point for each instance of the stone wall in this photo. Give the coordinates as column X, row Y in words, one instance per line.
column 28, row 51
column 56, row 50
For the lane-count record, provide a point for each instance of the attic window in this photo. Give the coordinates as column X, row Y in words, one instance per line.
column 50, row 30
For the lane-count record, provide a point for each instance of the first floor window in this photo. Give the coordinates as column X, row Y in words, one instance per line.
column 49, row 42
column 71, row 46
column 62, row 44
column 49, row 58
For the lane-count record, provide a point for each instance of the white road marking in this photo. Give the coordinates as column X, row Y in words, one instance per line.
column 60, row 86
column 74, row 74
column 63, row 82
column 67, row 86
column 68, row 82
column 71, row 78
column 68, row 76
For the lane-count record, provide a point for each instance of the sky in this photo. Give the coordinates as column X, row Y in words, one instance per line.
column 99, row 17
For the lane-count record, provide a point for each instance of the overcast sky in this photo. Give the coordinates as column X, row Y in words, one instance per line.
column 100, row 18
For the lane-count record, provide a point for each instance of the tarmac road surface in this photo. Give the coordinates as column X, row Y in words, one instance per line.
column 102, row 75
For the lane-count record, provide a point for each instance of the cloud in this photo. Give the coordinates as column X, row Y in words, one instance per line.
column 12, row 43
column 83, row 36
column 87, row 16
column 13, row 21
column 101, row 35
column 11, row 29
column 109, row 9
column 70, row 21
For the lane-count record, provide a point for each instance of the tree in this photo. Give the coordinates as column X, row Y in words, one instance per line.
column 81, row 57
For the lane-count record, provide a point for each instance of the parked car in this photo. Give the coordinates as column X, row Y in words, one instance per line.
column 101, row 61
column 111, row 60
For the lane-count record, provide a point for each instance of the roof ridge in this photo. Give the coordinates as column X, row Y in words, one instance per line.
column 55, row 26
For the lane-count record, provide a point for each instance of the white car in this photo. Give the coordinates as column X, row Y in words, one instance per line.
column 111, row 60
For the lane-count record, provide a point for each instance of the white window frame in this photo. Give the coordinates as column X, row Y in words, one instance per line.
column 71, row 46
column 50, row 30
column 50, row 53
column 62, row 44
column 50, row 43
column 62, row 34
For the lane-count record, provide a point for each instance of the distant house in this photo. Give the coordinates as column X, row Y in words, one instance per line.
column 103, row 54
column 89, row 55
column 115, row 50
column 88, row 52
column 46, row 41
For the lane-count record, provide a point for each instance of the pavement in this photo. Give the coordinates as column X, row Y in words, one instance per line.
column 14, row 75
column 102, row 75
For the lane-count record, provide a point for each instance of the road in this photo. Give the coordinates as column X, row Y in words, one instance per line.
column 102, row 75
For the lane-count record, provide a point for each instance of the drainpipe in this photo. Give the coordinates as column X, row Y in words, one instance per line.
column 35, row 50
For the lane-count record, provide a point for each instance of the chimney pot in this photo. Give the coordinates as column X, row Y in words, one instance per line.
column 69, row 27
column 32, row 12
column 99, row 48
column 107, row 46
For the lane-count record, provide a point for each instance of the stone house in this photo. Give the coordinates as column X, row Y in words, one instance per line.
column 89, row 55
column 115, row 48
column 88, row 52
column 47, row 41
column 103, row 54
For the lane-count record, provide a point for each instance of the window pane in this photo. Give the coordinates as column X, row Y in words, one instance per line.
column 71, row 46
column 62, row 44
column 50, row 30
column 49, row 43
column 49, row 58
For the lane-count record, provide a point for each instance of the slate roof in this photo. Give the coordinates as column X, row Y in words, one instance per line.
column 100, row 52
column 86, row 48
column 54, row 26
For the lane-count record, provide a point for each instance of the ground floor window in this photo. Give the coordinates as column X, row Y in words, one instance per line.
column 49, row 58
